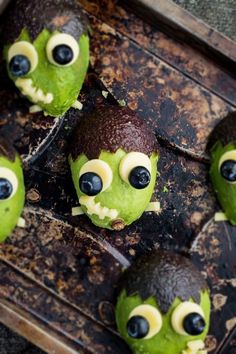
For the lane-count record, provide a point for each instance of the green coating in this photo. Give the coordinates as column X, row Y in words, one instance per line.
column 225, row 191
column 167, row 340
column 64, row 83
column 11, row 209
column 128, row 201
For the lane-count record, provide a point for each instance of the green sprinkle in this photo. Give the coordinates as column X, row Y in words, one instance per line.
column 105, row 93
column 122, row 103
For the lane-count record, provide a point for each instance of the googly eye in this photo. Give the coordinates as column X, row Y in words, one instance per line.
column 90, row 184
column 95, row 176
column 62, row 50
column 8, row 183
column 145, row 321
column 188, row 319
column 22, row 58
column 227, row 166
column 135, row 169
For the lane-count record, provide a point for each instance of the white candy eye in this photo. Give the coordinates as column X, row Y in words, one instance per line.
column 145, row 321
column 62, row 50
column 8, row 183
column 95, row 177
column 22, row 58
column 135, row 169
column 227, row 166
column 188, row 319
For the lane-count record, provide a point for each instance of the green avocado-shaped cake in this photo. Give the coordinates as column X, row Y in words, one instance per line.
column 12, row 190
column 113, row 160
column 163, row 305
column 222, row 149
column 47, row 52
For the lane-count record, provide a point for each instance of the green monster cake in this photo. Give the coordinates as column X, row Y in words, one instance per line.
column 47, row 52
column 222, row 149
column 12, row 190
column 114, row 166
column 163, row 305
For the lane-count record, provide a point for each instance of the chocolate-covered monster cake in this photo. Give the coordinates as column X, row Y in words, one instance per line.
column 47, row 52
column 12, row 190
column 114, row 166
column 163, row 305
column 222, row 149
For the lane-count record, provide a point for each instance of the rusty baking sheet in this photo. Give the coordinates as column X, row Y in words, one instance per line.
column 59, row 274
column 185, row 26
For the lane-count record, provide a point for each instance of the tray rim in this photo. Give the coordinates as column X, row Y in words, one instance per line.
column 172, row 17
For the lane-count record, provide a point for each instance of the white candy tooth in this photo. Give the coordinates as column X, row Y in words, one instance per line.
column 104, row 212
column 97, row 208
column 49, row 98
column 40, row 95
column 113, row 213
column 28, row 89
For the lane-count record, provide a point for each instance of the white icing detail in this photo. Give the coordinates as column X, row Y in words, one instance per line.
column 228, row 155
column 26, row 49
column 35, row 109
column 220, row 216
column 195, row 347
column 154, row 206
column 122, row 103
column 28, row 89
column 62, row 39
column 21, row 222
column 105, row 94
column 132, row 160
column 94, row 208
column 77, row 211
column 152, row 315
column 77, row 105
column 101, row 168
column 11, row 177
column 181, row 311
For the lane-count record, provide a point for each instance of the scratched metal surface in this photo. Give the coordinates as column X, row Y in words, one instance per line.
column 62, row 270
column 220, row 14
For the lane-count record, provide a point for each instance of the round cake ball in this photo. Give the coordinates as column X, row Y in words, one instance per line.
column 12, row 190
column 163, row 305
column 114, row 166
column 222, row 150
column 47, row 52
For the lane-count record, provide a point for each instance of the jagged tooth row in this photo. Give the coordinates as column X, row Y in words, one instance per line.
column 97, row 209
column 37, row 95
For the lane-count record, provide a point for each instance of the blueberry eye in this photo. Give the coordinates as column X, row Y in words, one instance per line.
column 194, row 324
column 139, row 177
column 228, row 170
column 6, row 188
column 63, row 54
column 90, row 184
column 188, row 319
column 137, row 327
column 19, row 65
